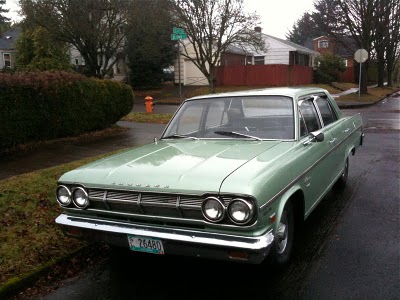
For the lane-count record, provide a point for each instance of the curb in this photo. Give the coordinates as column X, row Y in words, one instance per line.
column 18, row 284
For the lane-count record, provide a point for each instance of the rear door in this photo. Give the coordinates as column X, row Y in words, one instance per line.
column 335, row 126
column 317, row 155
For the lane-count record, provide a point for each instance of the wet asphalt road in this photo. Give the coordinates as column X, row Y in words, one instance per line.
column 350, row 248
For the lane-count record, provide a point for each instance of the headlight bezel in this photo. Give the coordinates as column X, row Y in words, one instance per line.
column 64, row 203
column 219, row 203
column 249, row 205
column 74, row 197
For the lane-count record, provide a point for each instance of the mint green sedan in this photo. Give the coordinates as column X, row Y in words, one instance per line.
column 232, row 177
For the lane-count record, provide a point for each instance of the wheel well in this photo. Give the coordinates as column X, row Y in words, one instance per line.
column 353, row 151
column 297, row 200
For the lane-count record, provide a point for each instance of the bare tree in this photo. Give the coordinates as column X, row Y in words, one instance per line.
column 94, row 27
column 211, row 27
column 349, row 17
column 387, row 38
column 392, row 42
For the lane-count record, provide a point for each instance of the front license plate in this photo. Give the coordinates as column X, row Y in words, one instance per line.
column 145, row 244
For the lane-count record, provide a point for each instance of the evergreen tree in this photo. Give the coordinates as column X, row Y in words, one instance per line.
column 304, row 28
column 149, row 47
column 38, row 51
column 4, row 21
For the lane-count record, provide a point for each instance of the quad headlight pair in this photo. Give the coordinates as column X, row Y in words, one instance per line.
column 77, row 195
column 240, row 211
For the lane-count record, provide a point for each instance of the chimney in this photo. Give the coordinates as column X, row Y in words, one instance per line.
column 257, row 29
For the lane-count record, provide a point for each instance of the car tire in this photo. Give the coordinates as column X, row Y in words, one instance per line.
column 342, row 180
column 283, row 245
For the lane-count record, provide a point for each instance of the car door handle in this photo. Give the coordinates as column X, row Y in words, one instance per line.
column 332, row 141
column 346, row 130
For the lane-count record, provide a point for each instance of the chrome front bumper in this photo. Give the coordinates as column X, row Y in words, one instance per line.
column 176, row 241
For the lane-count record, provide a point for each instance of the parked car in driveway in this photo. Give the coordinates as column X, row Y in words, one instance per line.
column 232, row 177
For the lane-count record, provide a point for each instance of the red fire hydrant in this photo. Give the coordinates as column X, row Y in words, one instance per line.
column 148, row 101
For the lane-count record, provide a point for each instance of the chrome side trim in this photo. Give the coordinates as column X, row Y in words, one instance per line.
column 287, row 187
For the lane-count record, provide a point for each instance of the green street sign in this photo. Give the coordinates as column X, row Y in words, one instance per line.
column 176, row 37
column 177, row 30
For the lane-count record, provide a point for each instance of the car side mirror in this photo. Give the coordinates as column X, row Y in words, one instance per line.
column 317, row 136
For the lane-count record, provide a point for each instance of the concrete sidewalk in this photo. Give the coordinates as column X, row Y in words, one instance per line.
column 52, row 154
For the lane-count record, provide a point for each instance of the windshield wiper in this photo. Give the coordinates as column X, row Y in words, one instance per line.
column 237, row 134
column 179, row 136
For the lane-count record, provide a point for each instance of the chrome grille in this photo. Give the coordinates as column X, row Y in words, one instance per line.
column 151, row 204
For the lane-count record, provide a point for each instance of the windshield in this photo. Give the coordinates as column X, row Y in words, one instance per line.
column 251, row 117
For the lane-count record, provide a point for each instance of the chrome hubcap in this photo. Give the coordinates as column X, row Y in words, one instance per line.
column 345, row 170
column 282, row 234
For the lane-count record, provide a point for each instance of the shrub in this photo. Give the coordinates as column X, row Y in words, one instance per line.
column 329, row 67
column 46, row 105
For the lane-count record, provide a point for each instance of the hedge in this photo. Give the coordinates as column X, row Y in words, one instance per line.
column 38, row 106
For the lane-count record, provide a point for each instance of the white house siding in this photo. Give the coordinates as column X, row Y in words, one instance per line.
column 12, row 55
column 190, row 74
column 1, row 60
column 276, row 52
column 76, row 57
column 193, row 76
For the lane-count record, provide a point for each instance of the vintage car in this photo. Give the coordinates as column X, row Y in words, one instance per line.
column 232, row 177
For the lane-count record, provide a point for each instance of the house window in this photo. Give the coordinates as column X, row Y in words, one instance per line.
column 323, row 44
column 259, row 60
column 344, row 61
column 7, row 60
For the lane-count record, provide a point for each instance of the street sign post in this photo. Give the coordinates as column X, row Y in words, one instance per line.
column 178, row 30
column 360, row 56
column 177, row 35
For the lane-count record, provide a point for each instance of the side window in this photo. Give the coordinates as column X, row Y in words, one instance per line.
column 303, row 127
column 310, row 116
column 327, row 114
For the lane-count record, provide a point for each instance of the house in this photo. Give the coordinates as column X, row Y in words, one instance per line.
column 8, row 55
column 118, row 72
column 277, row 52
column 7, row 48
column 282, row 52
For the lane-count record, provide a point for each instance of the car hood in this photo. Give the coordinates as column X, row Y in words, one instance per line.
column 197, row 166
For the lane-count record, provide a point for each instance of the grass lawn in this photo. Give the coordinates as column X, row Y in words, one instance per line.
column 29, row 236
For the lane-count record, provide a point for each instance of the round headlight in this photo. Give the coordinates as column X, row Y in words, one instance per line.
column 63, row 195
column 80, row 197
column 240, row 211
column 213, row 209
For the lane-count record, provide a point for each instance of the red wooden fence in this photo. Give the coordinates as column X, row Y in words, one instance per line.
column 265, row 75
column 348, row 75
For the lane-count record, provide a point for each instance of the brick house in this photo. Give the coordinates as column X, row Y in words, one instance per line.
column 345, row 48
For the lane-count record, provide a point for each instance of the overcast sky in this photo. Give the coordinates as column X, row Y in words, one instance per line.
column 277, row 16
